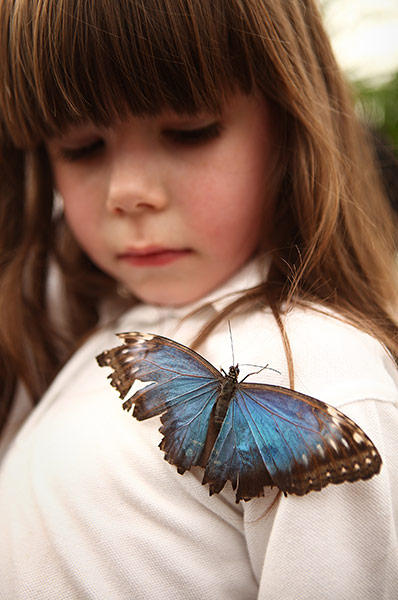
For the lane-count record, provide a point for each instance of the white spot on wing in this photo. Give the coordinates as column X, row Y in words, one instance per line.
column 320, row 449
column 333, row 444
column 358, row 438
column 332, row 411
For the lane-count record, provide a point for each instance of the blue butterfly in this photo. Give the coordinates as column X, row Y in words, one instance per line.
column 251, row 434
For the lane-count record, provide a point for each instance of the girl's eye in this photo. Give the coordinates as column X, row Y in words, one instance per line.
column 194, row 136
column 82, row 152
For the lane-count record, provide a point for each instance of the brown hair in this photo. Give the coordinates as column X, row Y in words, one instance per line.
column 62, row 61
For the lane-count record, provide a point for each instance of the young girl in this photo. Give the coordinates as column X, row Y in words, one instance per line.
column 208, row 167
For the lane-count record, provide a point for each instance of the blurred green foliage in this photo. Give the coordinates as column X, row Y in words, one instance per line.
column 378, row 106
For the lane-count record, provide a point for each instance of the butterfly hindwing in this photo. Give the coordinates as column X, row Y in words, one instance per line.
column 236, row 456
column 267, row 435
column 185, row 427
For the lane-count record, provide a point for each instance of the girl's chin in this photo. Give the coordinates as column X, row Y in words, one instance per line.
column 176, row 297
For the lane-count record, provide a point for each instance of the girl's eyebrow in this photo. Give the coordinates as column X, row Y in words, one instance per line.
column 76, row 129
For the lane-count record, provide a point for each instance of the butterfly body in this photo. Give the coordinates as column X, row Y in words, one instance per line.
column 226, row 393
column 251, row 434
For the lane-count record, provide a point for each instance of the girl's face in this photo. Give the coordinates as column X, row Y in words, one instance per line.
column 172, row 205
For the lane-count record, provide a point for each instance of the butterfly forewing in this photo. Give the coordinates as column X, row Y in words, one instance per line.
column 304, row 444
column 183, row 391
column 269, row 435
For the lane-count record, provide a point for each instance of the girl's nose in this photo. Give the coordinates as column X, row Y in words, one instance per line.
column 135, row 188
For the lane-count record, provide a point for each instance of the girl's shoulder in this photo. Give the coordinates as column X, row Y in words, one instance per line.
column 333, row 360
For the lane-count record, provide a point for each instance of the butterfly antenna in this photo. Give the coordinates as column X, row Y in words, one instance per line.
column 260, row 368
column 232, row 342
column 259, row 371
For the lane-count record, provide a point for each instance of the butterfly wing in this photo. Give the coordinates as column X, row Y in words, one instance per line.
column 182, row 387
column 269, row 436
column 276, row 436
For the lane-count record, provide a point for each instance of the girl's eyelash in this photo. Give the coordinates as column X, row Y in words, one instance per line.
column 72, row 154
column 195, row 136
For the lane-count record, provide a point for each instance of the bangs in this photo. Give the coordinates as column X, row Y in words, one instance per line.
column 63, row 61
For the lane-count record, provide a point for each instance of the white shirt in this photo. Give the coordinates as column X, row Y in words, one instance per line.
column 90, row 510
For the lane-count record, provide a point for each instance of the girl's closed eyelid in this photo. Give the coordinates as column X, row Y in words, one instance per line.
column 79, row 152
column 185, row 136
column 195, row 135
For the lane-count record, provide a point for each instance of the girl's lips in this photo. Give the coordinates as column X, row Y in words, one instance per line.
column 153, row 257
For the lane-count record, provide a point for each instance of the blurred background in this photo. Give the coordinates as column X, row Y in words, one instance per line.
column 364, row 35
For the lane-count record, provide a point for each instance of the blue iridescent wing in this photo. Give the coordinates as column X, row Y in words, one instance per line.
column 183, row 389
column 276, row 436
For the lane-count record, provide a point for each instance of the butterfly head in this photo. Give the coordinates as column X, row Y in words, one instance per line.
column 233, row 372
